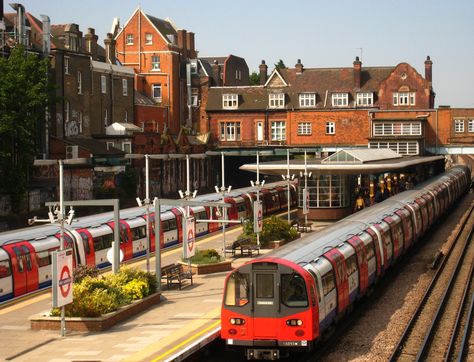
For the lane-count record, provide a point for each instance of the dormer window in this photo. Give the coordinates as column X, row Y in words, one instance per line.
column 404, row 98
column 276, row 100
column 307, row 100
column 365, row 99
column 340, row 99
column 230, row 101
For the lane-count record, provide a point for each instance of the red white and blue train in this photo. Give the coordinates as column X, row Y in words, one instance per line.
column 286, row 301
column 25, row 254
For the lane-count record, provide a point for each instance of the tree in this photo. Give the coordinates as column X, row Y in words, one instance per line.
column 254, row 78
column 23, row 100
column 280, row 65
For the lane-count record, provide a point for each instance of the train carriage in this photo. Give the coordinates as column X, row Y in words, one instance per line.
column 286, row 300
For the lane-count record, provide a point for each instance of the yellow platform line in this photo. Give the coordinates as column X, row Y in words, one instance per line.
column 168, row 341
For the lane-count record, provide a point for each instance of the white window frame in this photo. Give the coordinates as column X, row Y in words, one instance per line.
column 154, row 87
column 340, row 99
column 125, row 119
column 307, row 100
column 79, row 121
column 67, row 111
column 230, row 131
column 155, row 63
column 230, row 101
column 330, row 128
column 470, row 125
column 305, row 128
column 238, row 74
column 127, row 145
column 66, row 65
column 459, row 125
column 365, row 99
column 194, row 97
column 103, row 84
column 194, row 66
column 409, row 148
column 106, row 118
column 129, row 39
column 404, row 98
column 79, row 82
column 397, row 128
column 278, row 129
column 110, row 144
column 125, row 87
column 148, row 38
column 276, row 100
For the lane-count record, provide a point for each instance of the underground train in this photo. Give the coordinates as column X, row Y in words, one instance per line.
column 287, row 300
column 25, row 254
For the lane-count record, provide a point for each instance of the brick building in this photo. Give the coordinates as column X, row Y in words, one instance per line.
column 325, row 107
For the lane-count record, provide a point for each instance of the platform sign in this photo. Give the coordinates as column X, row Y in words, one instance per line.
column 305, row 201
column 189, row 231
column 62, row 278
column 257, row 217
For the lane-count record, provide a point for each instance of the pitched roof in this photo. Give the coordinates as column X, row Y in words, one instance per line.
column 210, row 60
column 322, row 81
column 163, row 26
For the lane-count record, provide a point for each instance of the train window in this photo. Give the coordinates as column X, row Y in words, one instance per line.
column 123, row 234
column 107, row 240
column 369, row 249
column 293, row 290
column 98, row 243
column 5, row 270
column 19, row 258
column 138, row 232
column 44, row 258
column 172, row 224
column 241, row 208
column 68, row 243
column 165, row 226
column 328, row 282
column 85, row 242
column 351, row 264
column 237, row 290
column 27, row 256
column 265, row 285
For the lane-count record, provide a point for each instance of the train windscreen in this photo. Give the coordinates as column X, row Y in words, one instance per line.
column 237, row 290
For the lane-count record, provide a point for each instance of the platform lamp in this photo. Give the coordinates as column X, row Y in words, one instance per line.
column 146, row 201
column 288, row 179
column 305, row 192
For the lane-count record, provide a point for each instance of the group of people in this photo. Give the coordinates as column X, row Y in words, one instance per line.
column 377, row 192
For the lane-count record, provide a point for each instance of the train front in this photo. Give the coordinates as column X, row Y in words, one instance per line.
column 269, row 309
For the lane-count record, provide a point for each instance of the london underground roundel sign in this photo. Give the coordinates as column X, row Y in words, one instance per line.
column 62, row 278
column 189, row 232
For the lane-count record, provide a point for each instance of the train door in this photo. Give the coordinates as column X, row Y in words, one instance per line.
column 266, row 299
column 178, row 213
column 396, row 234
column 424, row 213
column 138, row 236
column 6, row 281
column 379, row 247
column 386, row 241
column 327, row 292
column 126, row 244
column 414, row 208
column 212, row 215
column 336, row 258
column 352, row 269
column 362, row 266
column 407, row 227
column 24, row 267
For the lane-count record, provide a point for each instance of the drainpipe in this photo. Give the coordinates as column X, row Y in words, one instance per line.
column 436, row 138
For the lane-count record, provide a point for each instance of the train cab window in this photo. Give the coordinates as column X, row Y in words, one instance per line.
column 293, row 291
column 237, row 290
column 351, row 263
column 5, row 270
column 44, row 258
column 265, row 286
column 85, row 242
column 328, row 283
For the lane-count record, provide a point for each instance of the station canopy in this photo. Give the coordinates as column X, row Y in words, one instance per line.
column 344, row 162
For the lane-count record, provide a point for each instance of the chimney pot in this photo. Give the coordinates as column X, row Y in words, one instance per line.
column 110, row 49
column 299, row 67
column 263, row 70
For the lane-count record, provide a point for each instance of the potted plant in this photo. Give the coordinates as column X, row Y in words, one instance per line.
column 208, row 261
column 275, row 232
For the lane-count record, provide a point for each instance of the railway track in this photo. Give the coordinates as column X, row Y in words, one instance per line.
column 440, row 327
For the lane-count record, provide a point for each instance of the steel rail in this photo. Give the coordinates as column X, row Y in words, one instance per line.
column 411, row 323
column 468, row 325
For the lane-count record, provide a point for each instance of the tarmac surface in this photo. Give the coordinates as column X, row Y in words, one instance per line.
column 161, row 333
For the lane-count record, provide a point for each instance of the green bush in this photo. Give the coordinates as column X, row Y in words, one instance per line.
column 274, row 228
column 83, row 271
column 206, row 256
column 94, row 296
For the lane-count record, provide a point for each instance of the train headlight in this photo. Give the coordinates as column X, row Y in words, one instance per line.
column 237, row 321
column 294, row 322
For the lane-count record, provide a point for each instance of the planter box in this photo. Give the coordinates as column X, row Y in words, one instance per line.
column 274, row 244
column 209, row 268
column 95, row 324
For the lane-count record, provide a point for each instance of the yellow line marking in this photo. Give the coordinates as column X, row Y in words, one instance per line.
column 212, row 326
column 25, row 303
column 172, row 338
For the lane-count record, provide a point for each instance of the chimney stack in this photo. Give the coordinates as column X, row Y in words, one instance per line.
column 428, row 69
column 190, row 44
column 216, row 73
column 263, row 68
column 91, row 42
column 46, row 34
column 182, row 40
column 110, row 49
column 299, row 67
column 357, row 70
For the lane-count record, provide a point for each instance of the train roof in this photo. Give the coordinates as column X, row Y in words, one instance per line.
column 312, row 246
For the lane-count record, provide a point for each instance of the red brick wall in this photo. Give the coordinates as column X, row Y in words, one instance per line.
column 413, row 82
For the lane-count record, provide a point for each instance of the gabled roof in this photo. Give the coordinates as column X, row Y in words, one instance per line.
column 361, row 155
column 210, row 60
column 276, row 76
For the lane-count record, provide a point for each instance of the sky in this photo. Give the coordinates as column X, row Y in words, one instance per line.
column 320, row 33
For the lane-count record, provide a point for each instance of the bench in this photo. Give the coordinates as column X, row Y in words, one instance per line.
column 175, row 274
column 303, row 226
column 246, row 247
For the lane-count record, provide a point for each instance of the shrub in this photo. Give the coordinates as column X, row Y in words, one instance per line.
column 82, row 271
column 274, row 228
column 206, row 256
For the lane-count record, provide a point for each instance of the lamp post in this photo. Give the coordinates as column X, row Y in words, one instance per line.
column 224, row 210
column 305, row 193
column 146, row 201
column 258, row 185
column 288, row 179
